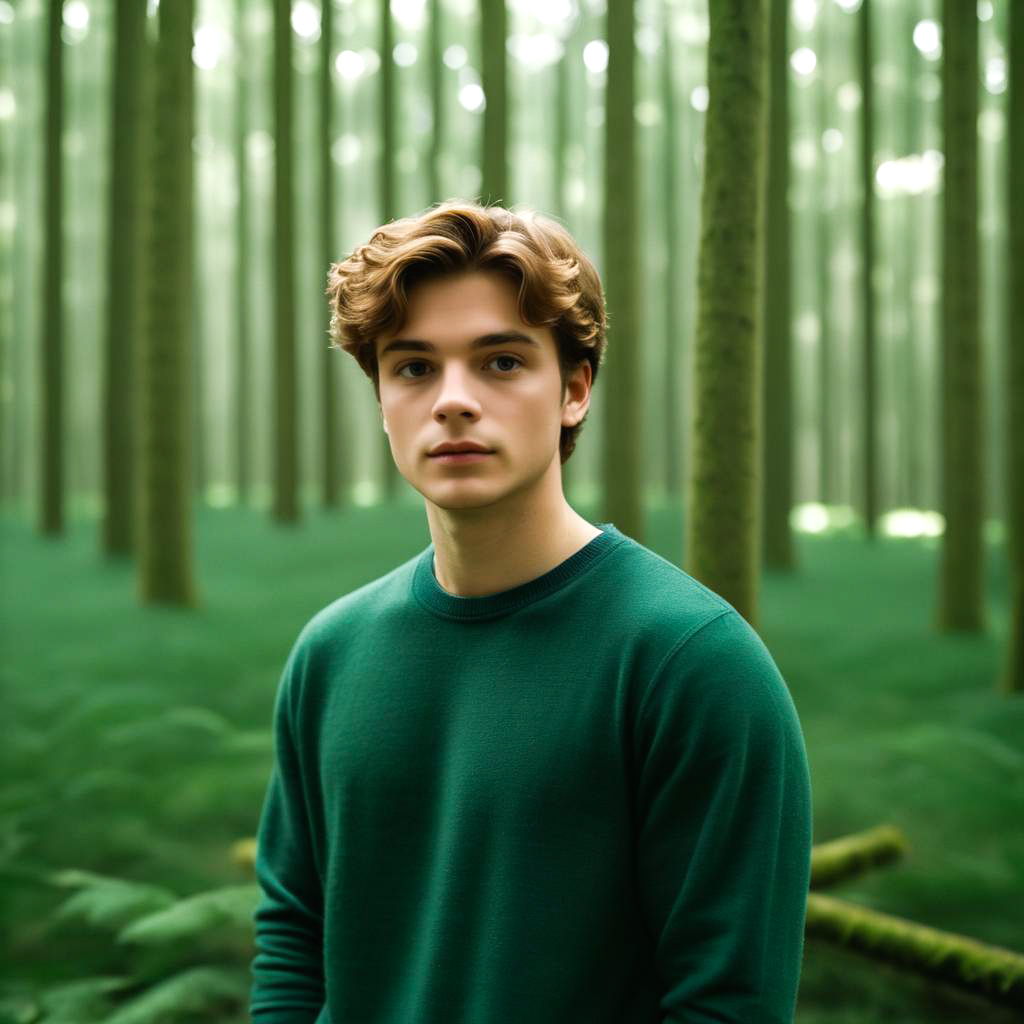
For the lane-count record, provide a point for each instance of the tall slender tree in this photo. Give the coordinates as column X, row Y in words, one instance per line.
column 388, row 194
column 962, row 558
column 623, row 447
column 165, row 366
column 1012, row 680
column 867, row 234
column 124, row 284
column 827, row 476
column 673, row 184
column 436, row 65
column 777, row 492
column 286, row 507
column 51, row 378
column 329, row 369
column 723, row 498
column 494, row 77
column 243, row 314
column 562, row 129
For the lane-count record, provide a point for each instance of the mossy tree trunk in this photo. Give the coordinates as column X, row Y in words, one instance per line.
column 165, row 366
column 562, row 130
column 777, row 492
column 723, row 497
column 673, row 185
column 623, row 448
column 1012, row 680
column 51, row 377
column 435, row 57
column 828, row 478
column 388, row 197
column 124, row 284
column 285, row 507
column 962, row 553
column 494, row 78
column 867, row 234
column 330, row 378
column 243, row 314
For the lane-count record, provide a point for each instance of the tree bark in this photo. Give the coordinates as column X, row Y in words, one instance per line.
column 124, row 284
column 51, row 377
column 962, row 554
column 777, row 492
column 723, row 497
column 286, row 509
column 165, row 496
column 1012, row 680
column 623, row 448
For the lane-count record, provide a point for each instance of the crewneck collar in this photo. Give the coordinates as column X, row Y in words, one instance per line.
column 436, row 599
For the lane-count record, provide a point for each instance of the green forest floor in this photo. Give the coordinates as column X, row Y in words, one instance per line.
column 137, row 739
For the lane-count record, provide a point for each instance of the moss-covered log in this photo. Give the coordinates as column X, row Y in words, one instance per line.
column 851, row 856
column 995, row 973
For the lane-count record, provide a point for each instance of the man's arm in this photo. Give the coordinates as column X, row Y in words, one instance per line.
column 723, row 828
column 288, row 970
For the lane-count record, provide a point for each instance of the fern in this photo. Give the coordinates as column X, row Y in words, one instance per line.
column 206, row 991
column 195, row 915
column 78, row 1002
column 108, row 902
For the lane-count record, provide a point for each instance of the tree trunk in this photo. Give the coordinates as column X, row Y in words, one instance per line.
column 330, row 381
column 436, row 58
column 494, row 77
column 1013, row 673
column 962, row 554
column 243, row 314
column 165, row 496
column 286, row 508
column 124, row 285
column 674, row 183
column 723, row 497
column 828, row 478
column 388, row 199
column 777, row 492
column 623, row 448
column 867, row 176
column 51, row 377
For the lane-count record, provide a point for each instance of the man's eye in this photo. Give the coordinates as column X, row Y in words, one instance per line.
column 419, row 362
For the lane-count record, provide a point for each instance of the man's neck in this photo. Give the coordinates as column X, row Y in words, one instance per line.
column 476, row 559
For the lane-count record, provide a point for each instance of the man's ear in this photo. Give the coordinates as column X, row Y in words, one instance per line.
column 577, row 397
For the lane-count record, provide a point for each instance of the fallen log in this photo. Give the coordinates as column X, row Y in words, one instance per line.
column 995, row 973
column 851, row 856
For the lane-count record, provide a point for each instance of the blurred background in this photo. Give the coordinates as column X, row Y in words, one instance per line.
column 188, row 472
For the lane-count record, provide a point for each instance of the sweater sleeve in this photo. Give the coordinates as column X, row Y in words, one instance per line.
column 723, row 828
column 288, row 970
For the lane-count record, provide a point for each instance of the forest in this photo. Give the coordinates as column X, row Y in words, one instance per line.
column 808, row 221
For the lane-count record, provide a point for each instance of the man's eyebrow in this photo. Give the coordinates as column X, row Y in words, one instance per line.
column 484, row 341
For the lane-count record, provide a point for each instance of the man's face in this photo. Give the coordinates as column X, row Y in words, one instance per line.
column 506, row 396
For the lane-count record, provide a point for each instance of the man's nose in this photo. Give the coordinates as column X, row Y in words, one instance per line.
column 456, row 393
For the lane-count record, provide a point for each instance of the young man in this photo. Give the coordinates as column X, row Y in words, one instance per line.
column 536, row 774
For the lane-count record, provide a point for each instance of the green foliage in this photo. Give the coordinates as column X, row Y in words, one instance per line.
column 76, row 1002
column 232, row 905
column 108, row 902
column 201, row 993
column 166, row 989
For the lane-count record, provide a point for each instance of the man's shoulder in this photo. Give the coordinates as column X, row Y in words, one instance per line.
column 657, row 594
column 366, row 604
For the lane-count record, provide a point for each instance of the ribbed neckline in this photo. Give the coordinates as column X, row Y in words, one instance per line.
column 436, row 599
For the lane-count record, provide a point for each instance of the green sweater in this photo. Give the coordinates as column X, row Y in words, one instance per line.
column 582, row 799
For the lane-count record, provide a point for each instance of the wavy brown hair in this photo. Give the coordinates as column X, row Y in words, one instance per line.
column 557, row 285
